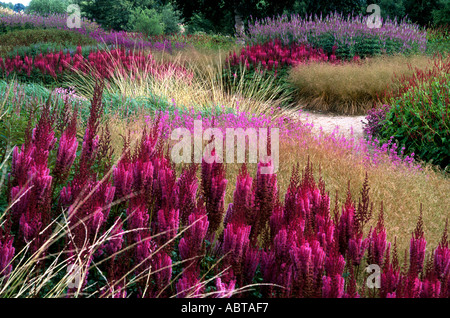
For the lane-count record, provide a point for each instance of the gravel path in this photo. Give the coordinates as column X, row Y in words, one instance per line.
column 328, row 122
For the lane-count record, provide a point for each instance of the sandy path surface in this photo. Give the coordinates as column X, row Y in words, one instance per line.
column 329, row 122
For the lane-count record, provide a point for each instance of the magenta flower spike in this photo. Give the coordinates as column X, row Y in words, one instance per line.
column 67, row 149
column 442, row 262
column 265, row 198
column 430, row 288
column 123, row 179
column 6, row 255
column 161, row 267
column 192, row 244
column 242, row 199
column 235, row 242
column 168, row 222
column 417, row 248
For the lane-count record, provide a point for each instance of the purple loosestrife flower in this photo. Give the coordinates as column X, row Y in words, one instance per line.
column 224, row 290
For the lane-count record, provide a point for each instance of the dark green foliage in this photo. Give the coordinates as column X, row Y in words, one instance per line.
column 441, row 16
column 156, row 20
column 109, row 14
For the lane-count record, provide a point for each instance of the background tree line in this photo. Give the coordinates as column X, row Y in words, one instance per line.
column 221, row 16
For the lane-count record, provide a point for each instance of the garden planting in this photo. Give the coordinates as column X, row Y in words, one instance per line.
column 92, row 203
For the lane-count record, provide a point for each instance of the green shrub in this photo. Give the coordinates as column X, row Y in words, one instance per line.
column 419, row 116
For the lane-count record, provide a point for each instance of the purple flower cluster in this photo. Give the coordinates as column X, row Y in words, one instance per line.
column 344, row 30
